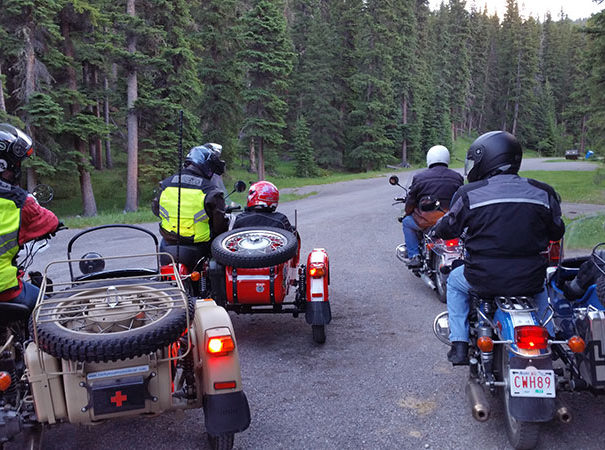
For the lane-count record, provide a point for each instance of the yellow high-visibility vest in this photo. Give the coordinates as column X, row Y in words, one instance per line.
column 10, row 220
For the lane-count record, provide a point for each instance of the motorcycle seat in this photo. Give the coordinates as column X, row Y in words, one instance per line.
column 13, row 312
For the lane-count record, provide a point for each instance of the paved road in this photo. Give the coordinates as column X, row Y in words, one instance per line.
column 381, row 381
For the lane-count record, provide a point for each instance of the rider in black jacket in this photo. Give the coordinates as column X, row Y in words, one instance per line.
column 507, row 221
column 437, row 182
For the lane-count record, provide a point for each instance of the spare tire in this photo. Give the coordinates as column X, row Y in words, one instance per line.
column 82, row 325
column 254, row 247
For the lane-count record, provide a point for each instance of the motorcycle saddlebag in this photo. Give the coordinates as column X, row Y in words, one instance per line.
column 592, row 364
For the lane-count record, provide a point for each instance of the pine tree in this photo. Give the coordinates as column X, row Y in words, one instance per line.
column 303, row 151
column 221, row 73
column 267, row 57
column 373, row 105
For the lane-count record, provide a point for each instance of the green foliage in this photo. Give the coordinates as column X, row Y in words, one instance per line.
column 572, row 186
column 303, row 151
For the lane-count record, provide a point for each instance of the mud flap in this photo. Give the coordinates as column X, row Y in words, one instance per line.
column 318, row 313
column 530, row 409
column 216, row 273
column 226, row 413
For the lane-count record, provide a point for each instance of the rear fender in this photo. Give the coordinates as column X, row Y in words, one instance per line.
column 226, row 409
column 317, row 310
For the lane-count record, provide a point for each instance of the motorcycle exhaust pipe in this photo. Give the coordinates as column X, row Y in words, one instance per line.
column 424, row 277
column 563, row 413
column 479, row 405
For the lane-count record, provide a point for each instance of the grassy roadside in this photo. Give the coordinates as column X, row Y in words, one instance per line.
column 574, row 187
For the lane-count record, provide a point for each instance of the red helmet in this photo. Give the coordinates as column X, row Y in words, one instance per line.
column 263, row 195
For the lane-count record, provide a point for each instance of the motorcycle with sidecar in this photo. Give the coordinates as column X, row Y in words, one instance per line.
column 114, row 337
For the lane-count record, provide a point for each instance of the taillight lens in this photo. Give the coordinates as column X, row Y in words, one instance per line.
column 220, row 345
column 531, row 337
column 452, row 242
column 317, row 270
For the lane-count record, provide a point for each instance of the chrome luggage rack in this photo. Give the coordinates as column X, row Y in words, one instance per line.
column 111, row 305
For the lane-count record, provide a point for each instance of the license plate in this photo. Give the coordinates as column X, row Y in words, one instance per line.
column 112, row 396
column 532, row 383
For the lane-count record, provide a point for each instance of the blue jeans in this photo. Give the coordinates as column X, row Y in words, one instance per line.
column 28, row 295
column 410, row 233
column 458, row 306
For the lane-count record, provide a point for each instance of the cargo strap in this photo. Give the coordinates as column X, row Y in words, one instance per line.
column 272, row 285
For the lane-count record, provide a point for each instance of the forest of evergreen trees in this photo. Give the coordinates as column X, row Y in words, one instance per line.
column 338, row 84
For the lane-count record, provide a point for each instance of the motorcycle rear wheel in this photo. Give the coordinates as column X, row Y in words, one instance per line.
column 522, row 435
column 440, row 280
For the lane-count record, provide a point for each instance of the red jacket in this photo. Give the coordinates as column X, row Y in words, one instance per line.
column 36, row 221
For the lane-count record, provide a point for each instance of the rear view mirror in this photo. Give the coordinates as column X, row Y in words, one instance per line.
column 239, row 186
column 394, row 180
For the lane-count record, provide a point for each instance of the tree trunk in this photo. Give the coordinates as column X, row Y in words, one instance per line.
column 252, row 156
column 132, row 121
column 404, row 122
column 517, row 96
column 2, row 104
column 89, row 204
column 98, row 144
column 108, row 160
column 261, row 159
column 583, row 134
column 30, row 88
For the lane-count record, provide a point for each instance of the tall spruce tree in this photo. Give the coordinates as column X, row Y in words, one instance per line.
column 267, row 57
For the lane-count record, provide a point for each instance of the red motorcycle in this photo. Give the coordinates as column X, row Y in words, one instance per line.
column 439, row 256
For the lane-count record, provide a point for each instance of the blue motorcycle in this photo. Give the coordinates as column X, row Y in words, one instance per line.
column 511, row 358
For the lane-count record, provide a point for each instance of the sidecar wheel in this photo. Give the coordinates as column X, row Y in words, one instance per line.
column 253, row 247
column 72, row 325
column 522, row 435
column 221, row 442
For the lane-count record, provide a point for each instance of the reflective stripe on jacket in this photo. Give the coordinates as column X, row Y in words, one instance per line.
column 10, row 217
column 194, row 221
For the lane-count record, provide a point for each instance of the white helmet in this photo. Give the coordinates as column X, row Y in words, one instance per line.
column 438, row 154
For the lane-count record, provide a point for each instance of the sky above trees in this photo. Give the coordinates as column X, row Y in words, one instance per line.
column 576, row 9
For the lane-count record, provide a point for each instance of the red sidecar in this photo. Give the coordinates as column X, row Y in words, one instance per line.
column 253, row 269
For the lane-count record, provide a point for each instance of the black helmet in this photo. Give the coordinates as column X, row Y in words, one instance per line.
column 15, row 146
column 205, row 161
column 492, row 153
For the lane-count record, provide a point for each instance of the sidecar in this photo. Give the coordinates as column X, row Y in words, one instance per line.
column 253, row 270
column 120, row 339
column 584, row 317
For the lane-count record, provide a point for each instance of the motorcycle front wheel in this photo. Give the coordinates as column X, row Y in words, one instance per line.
column 522, row 435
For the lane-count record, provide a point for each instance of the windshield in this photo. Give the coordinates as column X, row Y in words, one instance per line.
column 582, row 234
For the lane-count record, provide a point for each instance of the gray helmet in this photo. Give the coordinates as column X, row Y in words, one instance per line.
column 491, row 154
column 205, row 161
column 438, row 154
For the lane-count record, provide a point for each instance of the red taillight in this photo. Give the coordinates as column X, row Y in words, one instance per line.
column 168, row 271
column 317, row 270
column 224, row 385
column 452, row 242
column 531, row 337
column 218, row 345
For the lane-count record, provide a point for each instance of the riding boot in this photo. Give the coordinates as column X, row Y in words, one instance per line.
column 458, row 354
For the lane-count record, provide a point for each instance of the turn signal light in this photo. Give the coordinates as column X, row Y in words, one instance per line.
column 5, row 381
column 485, row 344
column 317, row 270
column 576, row 344
column 220, row 345
column 531, row 337
column 195, row 276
